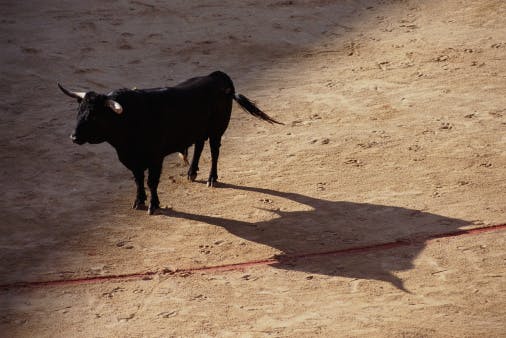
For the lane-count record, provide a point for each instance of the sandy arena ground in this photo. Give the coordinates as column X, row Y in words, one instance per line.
column 395, row 115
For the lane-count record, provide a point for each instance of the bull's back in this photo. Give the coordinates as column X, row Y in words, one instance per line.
column 192, row 111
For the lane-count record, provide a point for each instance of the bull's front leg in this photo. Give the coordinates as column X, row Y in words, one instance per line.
column 140, row 198
column 153, row 180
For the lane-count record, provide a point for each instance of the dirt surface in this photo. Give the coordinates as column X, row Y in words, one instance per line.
column 395, row 116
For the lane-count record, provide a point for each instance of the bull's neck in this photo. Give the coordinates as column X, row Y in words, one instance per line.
column 118, row 138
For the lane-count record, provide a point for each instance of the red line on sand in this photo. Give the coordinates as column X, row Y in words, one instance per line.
column 269, row 261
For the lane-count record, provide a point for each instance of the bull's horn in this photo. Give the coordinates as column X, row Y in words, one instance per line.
column 75, row 95
column 115, row 106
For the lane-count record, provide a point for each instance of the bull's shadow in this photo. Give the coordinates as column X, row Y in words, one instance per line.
column 334, row 225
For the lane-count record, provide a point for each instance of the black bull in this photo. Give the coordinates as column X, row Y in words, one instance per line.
column 145, row 125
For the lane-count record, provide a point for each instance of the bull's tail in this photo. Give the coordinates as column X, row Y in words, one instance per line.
column 251, row 108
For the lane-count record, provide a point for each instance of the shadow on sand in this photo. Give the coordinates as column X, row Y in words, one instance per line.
column 336, row 225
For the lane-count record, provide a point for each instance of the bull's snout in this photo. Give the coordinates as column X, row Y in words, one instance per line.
column 74, row 139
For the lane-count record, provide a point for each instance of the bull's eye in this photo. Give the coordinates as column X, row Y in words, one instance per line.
column 91, row 117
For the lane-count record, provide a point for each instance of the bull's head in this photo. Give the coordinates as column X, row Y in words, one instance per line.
column 95, row 115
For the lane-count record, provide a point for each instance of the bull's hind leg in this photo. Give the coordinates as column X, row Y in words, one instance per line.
column 194, row 166
column 153, row 180
column 215, row 143
column 141, row 193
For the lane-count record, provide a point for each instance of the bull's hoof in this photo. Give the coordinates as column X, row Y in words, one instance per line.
column 212, row 183
column 152, row 209
column 192, row 177
column 139, row 205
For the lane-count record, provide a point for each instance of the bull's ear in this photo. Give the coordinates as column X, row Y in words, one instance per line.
column 76, row 95
column 115, row 106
